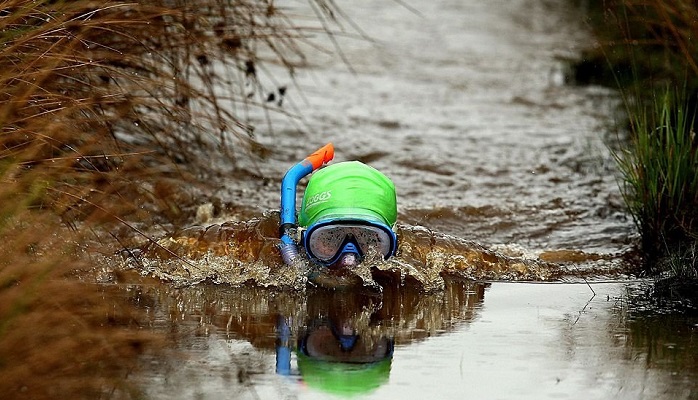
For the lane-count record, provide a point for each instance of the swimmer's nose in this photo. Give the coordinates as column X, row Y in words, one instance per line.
column 348, row 260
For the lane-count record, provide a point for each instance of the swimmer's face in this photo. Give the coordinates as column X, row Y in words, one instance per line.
column 347, row 260
column 344, row 244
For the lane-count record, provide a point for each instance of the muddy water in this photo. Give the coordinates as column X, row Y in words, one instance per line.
column 500, row 340
column 466, row 106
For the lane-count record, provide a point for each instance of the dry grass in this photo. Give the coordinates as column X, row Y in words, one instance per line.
column 106, row 108
column 121, row 101
column 59, row 337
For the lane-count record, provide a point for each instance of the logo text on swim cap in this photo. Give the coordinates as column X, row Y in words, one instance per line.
column 317, row 198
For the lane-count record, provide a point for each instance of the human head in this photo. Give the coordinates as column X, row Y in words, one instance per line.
column 357, row 197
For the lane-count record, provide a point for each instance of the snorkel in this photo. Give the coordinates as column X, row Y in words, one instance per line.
column 288, row 247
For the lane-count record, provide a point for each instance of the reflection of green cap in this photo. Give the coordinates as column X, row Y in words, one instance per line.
column 343, row 378
column 349, row 190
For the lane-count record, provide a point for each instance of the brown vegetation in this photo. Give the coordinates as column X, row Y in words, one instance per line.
column 105, row 110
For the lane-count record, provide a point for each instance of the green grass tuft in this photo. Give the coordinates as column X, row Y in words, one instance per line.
column 660, row 183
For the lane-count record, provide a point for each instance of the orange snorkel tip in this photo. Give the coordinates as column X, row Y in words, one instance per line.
column 322, row 156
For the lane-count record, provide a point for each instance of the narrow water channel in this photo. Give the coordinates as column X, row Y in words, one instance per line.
column 466, row 105
column 499, row 341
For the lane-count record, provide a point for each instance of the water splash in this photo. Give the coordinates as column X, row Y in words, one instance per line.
column 245, row 253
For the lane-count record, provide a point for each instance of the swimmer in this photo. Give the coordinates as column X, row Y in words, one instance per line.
column 348, row 211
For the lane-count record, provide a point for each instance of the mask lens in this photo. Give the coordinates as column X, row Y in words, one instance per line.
column 326, row 241
column 369, row 237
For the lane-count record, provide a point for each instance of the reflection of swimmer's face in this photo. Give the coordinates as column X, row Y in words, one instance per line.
column 344, row 346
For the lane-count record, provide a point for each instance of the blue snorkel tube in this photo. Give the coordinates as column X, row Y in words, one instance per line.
column 288, row 247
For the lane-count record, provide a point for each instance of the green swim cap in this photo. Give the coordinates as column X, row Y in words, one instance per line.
column 349, row 190
column 343, row 378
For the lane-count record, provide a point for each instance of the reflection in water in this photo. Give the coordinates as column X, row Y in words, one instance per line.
column 535, row 341
column 340, row 347
column 661, row 338
column 336, row 341
column 237, row 253
column 666, row 342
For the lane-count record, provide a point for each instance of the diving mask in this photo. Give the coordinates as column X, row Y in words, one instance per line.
column 326, row 242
